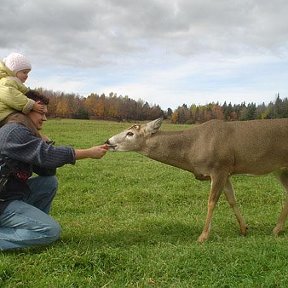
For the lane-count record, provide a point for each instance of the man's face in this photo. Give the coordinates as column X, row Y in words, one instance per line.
column 38, row 118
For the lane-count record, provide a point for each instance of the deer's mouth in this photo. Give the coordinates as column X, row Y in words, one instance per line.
column 112, row 147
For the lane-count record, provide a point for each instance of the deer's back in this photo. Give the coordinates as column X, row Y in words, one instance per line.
column 256, row 146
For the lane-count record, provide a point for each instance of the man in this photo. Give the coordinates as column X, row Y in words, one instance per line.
column 25, row 201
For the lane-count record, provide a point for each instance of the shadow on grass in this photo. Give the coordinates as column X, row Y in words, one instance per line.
column 155, row 233
column 31, row 250
column 146, row 234
column 176, row 233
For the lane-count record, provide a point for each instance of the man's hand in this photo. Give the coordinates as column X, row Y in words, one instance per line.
column 95, row 152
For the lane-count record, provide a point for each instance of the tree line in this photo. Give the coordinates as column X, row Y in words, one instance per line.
column 123, row 108
column 241, row 112
column 106, row 107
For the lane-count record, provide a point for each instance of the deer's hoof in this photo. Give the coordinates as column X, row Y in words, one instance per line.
column 244, row 230
column 202, row 238
column 277, row 230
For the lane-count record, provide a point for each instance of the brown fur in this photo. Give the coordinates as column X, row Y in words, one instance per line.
column 216, row 150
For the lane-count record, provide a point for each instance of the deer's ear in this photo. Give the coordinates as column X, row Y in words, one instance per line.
column 153, row 126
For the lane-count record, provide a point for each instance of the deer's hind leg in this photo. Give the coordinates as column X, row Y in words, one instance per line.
column 230, row 196
column 283, row 177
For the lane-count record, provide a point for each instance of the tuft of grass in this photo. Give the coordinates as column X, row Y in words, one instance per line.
column 129, row 221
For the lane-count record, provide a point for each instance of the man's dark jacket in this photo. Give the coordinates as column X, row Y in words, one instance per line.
column 27, row 153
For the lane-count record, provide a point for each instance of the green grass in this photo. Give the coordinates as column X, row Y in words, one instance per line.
column 129, row 221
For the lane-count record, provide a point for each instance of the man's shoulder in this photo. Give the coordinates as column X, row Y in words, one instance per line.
column 13, row 134
column 13, row 127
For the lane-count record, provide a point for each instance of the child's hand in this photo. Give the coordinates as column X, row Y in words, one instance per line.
column 38, row 107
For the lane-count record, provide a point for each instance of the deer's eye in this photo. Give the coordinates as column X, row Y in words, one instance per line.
column 130, row 134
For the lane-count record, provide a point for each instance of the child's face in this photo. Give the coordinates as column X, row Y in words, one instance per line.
column 23, row 75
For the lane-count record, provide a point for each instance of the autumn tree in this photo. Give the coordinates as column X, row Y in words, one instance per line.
column 114, row 107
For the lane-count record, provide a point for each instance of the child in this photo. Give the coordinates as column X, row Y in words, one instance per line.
column 14, row 70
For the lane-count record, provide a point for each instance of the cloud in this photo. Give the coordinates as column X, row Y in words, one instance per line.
column 103, row 28
column 162, row 51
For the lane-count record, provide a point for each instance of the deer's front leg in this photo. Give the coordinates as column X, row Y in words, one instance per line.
column 217, row 184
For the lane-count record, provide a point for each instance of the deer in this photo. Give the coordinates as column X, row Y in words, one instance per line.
column 215, row 151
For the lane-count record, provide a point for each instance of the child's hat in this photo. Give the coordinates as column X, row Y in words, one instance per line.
column 17, row 62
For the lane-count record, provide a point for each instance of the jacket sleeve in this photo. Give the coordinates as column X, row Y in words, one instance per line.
column 22, row 145
column 13, row 95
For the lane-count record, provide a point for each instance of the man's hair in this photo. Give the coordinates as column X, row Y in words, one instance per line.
column 37, row 96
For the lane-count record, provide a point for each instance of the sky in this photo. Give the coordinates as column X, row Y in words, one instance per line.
column 164, row 52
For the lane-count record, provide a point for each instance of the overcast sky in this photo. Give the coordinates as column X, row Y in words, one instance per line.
column 165, row 52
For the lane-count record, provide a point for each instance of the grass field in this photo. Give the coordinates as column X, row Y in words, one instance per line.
column 129, row 221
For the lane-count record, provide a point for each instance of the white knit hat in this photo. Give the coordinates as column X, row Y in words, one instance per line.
column 17, row 62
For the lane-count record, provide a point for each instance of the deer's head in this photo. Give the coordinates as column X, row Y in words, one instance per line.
column 134, row 137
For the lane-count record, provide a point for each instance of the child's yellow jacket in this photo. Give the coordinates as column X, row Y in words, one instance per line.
column 12, row 92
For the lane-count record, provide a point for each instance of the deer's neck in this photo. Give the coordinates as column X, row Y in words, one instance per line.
column 168, row 147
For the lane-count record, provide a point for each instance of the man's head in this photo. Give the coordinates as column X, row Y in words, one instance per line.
column 36, row 117
column 37, row 97
column 19, row 65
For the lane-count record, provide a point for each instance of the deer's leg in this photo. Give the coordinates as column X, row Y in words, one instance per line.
column 230, row 196
column 217, row 184
column 283, row 215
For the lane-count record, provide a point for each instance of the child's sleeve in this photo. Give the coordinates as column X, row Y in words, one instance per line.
column 13, row 96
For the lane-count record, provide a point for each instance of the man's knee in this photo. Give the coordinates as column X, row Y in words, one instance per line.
column 52, row 232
